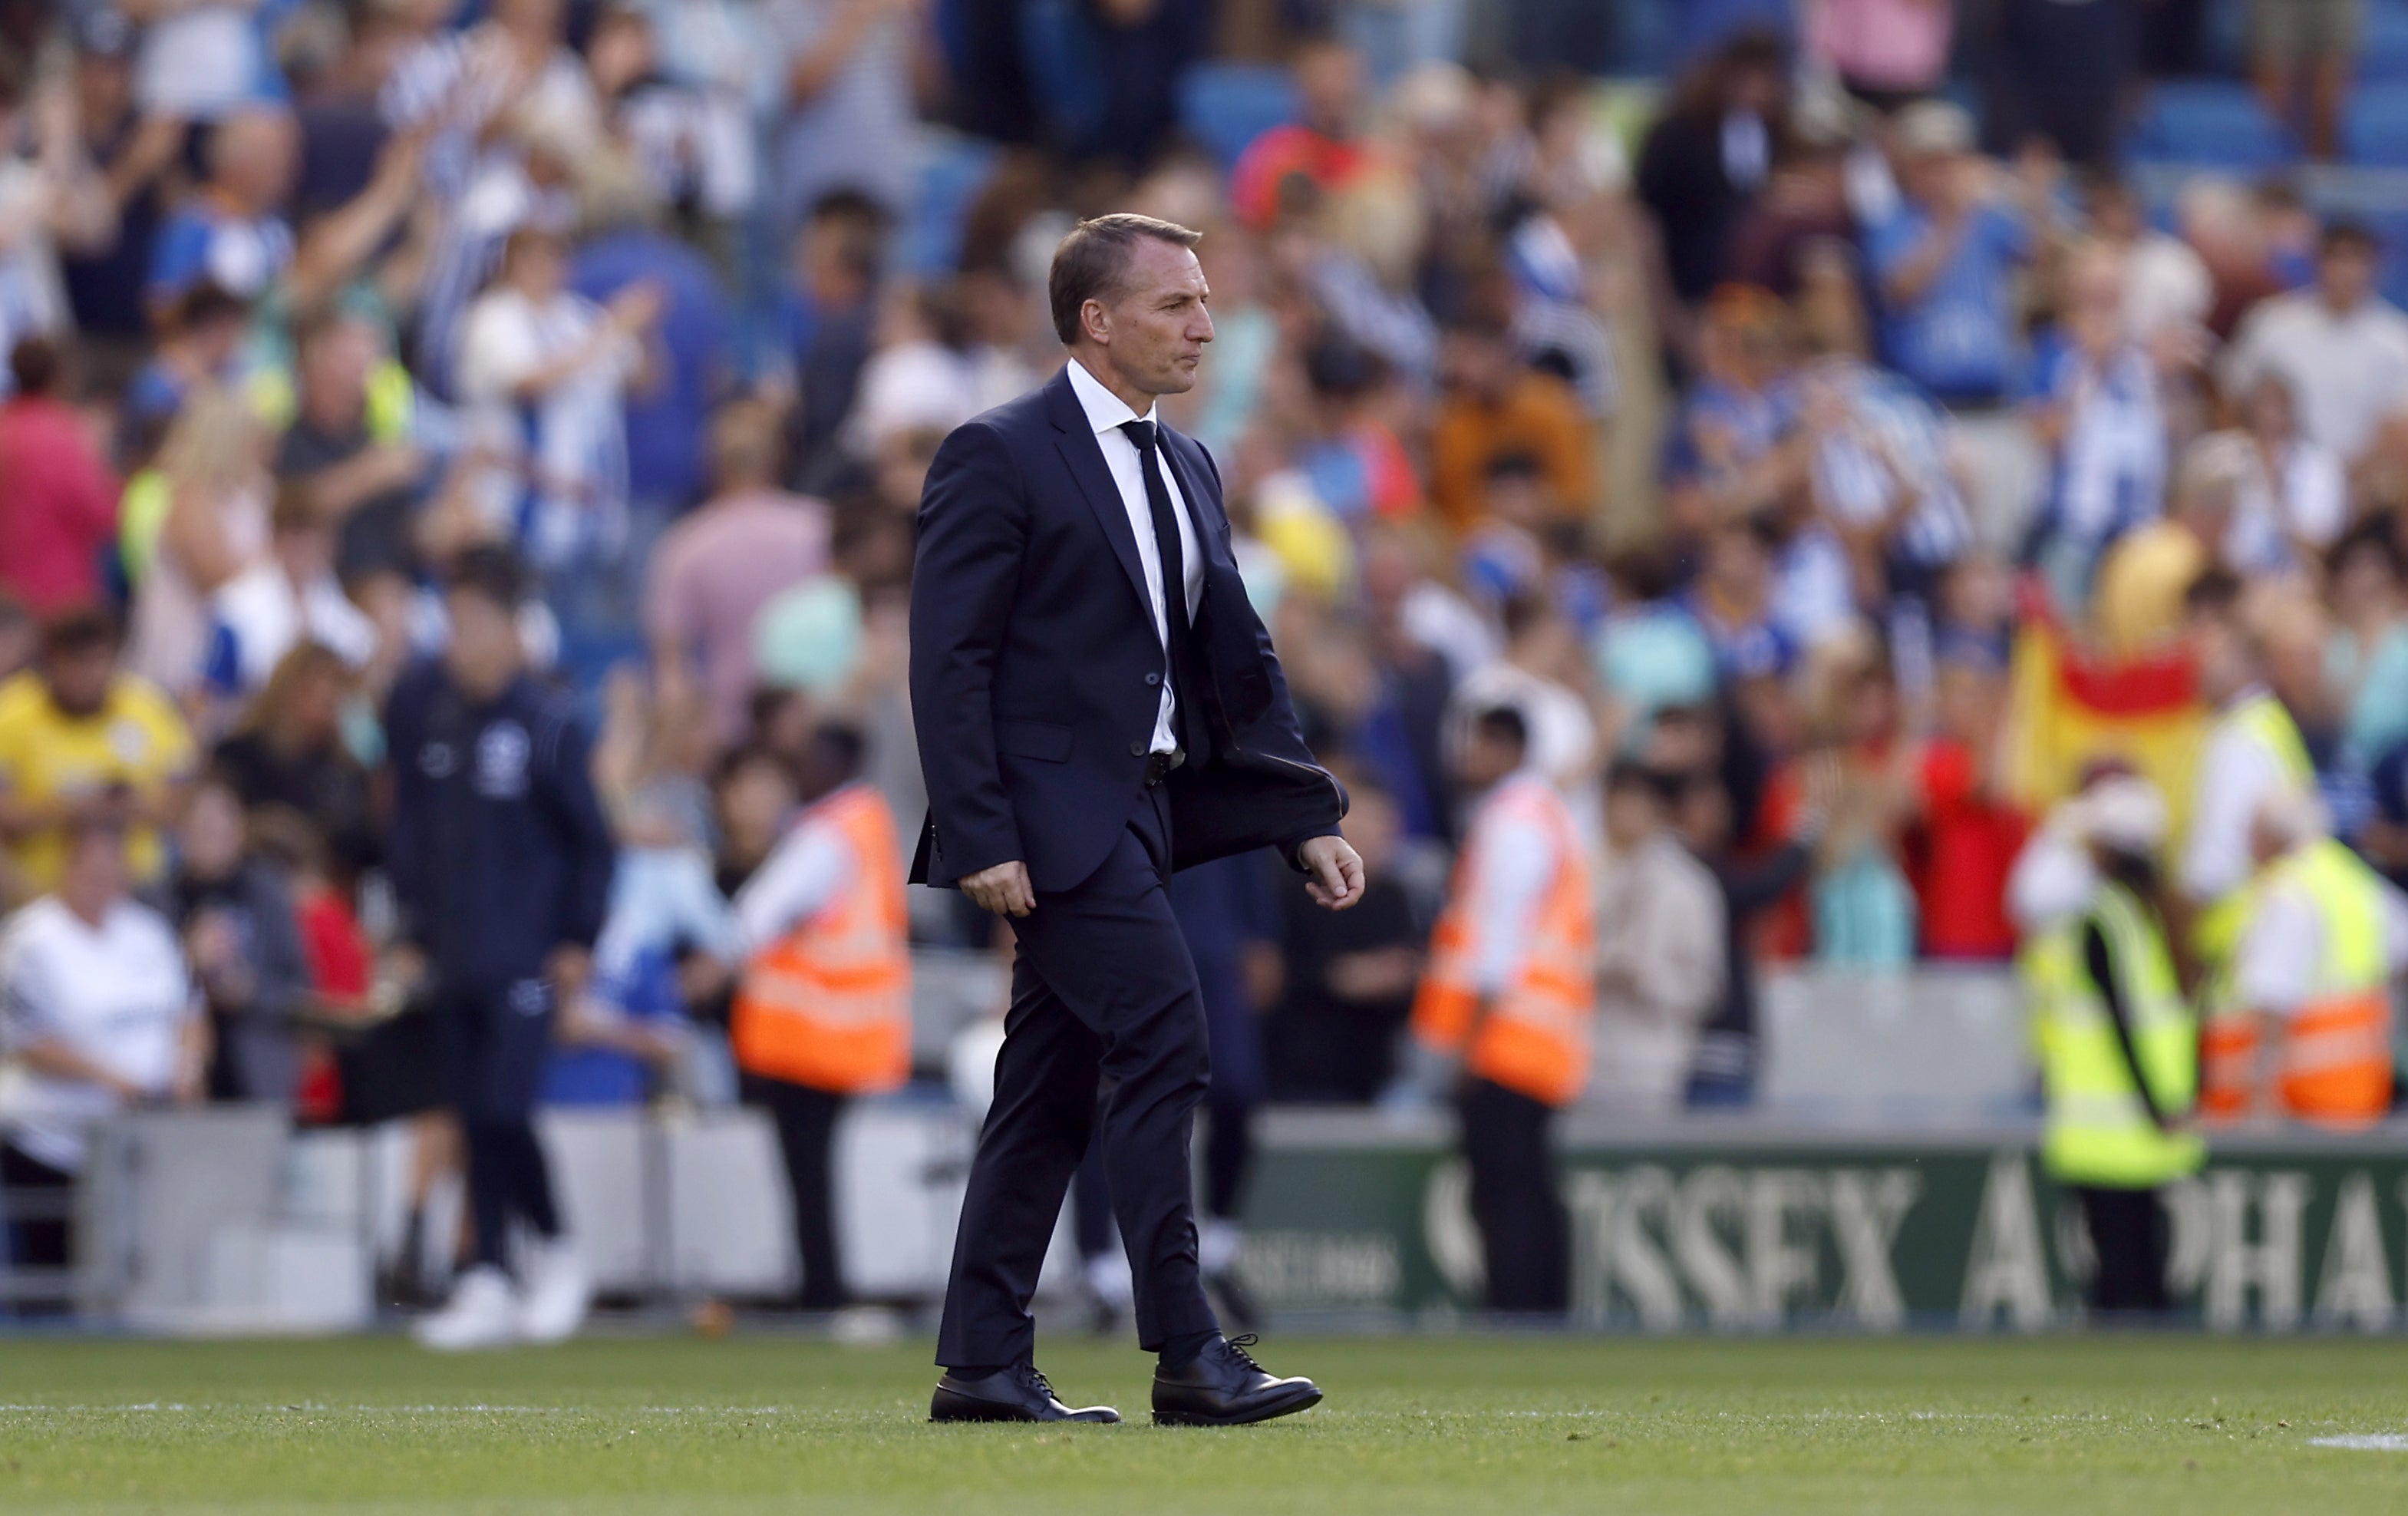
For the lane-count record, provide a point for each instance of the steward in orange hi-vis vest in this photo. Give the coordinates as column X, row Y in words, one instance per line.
column 829, row 1004
column 1534, row 1038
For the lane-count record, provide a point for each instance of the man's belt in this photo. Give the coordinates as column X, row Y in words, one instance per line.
column 1158, row 766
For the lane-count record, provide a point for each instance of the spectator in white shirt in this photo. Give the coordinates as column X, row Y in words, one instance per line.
column 96, row 1014
column 1535, row 679
column 2168, row 292
column 1659, row 950
column 2344, row 347
column 289, row 597
column 2295, row 501
column 2237, row 653
column 533, row 348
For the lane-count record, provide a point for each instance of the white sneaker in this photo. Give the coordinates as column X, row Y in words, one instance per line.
column 559, row 1291
column 483, row 1312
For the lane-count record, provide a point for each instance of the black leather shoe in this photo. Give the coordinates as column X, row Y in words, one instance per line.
column 1019, row 1394
column 1226, row 1387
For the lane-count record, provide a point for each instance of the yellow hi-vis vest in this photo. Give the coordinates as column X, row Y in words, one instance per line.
column 2099, row 1132
column 2334, row 1066
column 2270, row 727
column 2230, row 1037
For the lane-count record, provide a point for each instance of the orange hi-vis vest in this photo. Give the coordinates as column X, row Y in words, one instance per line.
column 2334, row 1059
column 829, row 1005
column 1535, row 1037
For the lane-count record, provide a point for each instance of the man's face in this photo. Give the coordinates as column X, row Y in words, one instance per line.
column 1486, row 760
column 1736, row 565
column 104, row 88
column 1155, row 328
column 1330, row 79
column 210, row 839
column 484, row 654
column 2347, row 275
column 2221, row 654
column 1632, row 815
column 1476, row 364
column 95, row 870
column 78, row 681
column 334, row 372
column 261, row 155
column 539, row 270
column 1932, row 178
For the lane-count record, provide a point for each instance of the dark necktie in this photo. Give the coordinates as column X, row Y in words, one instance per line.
column 1165, row 528
column 1186, row 717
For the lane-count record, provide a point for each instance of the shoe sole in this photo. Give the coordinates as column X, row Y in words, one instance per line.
column 949, row 1407
column 1270, row 1412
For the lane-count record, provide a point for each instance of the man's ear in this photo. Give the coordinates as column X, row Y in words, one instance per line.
column 1095, row 321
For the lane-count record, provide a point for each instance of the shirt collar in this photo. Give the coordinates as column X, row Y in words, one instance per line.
column 1106, row 412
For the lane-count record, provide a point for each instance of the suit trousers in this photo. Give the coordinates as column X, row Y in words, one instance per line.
column 1525, row 1230
column 1102, row 987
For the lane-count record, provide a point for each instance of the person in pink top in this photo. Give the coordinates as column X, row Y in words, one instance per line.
column 58, row 500
column 1887, row 52
column 716, row 568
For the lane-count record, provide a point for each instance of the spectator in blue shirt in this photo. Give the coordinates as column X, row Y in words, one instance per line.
column 692, row 367
column 199, row 347
column 1946, row 264
column 2096, row 408
column 232, row 232
column 828, row 314
column 1732, row 601
column 2383, row 838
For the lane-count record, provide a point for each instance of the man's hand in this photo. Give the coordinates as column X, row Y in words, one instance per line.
column 1336, row 869
column 568, row 968
column 1003, row 890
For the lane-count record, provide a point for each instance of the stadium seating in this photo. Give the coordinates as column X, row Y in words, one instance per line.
column 2375, row 133
column 1226, row 105
column 2209, row 124
column 2382, row 48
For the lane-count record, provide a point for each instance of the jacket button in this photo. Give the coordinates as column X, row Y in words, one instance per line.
column 1153, row 679
column 1137, row 749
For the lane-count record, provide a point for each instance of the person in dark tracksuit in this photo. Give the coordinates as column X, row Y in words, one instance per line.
column 501, row 866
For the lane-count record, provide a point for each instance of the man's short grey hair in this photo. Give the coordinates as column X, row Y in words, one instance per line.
column 1092, row 263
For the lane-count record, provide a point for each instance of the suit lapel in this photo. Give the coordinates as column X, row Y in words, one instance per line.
column 1075, row 437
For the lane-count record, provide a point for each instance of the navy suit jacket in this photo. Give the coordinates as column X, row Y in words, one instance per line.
column 1036, row 668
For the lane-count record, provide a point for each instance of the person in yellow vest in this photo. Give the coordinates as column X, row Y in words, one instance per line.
column 2117, row 1044
column 1508, row 999
column 822, row 1010
column 2253, row 750
column 2325, row 937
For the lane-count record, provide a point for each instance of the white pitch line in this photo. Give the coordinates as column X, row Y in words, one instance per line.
column 313, row 1408
column 2365, row 1442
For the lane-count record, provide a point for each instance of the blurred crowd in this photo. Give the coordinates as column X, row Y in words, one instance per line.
column 1736, row 429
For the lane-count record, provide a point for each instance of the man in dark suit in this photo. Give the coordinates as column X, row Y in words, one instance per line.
column 1097, row 705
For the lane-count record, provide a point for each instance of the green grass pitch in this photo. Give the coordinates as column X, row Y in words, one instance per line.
column 1449, row 1425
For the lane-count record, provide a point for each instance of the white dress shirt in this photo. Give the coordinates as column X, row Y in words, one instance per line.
column 1107, row 412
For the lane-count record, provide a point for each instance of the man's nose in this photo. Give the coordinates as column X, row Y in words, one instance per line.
column 1201, row 329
